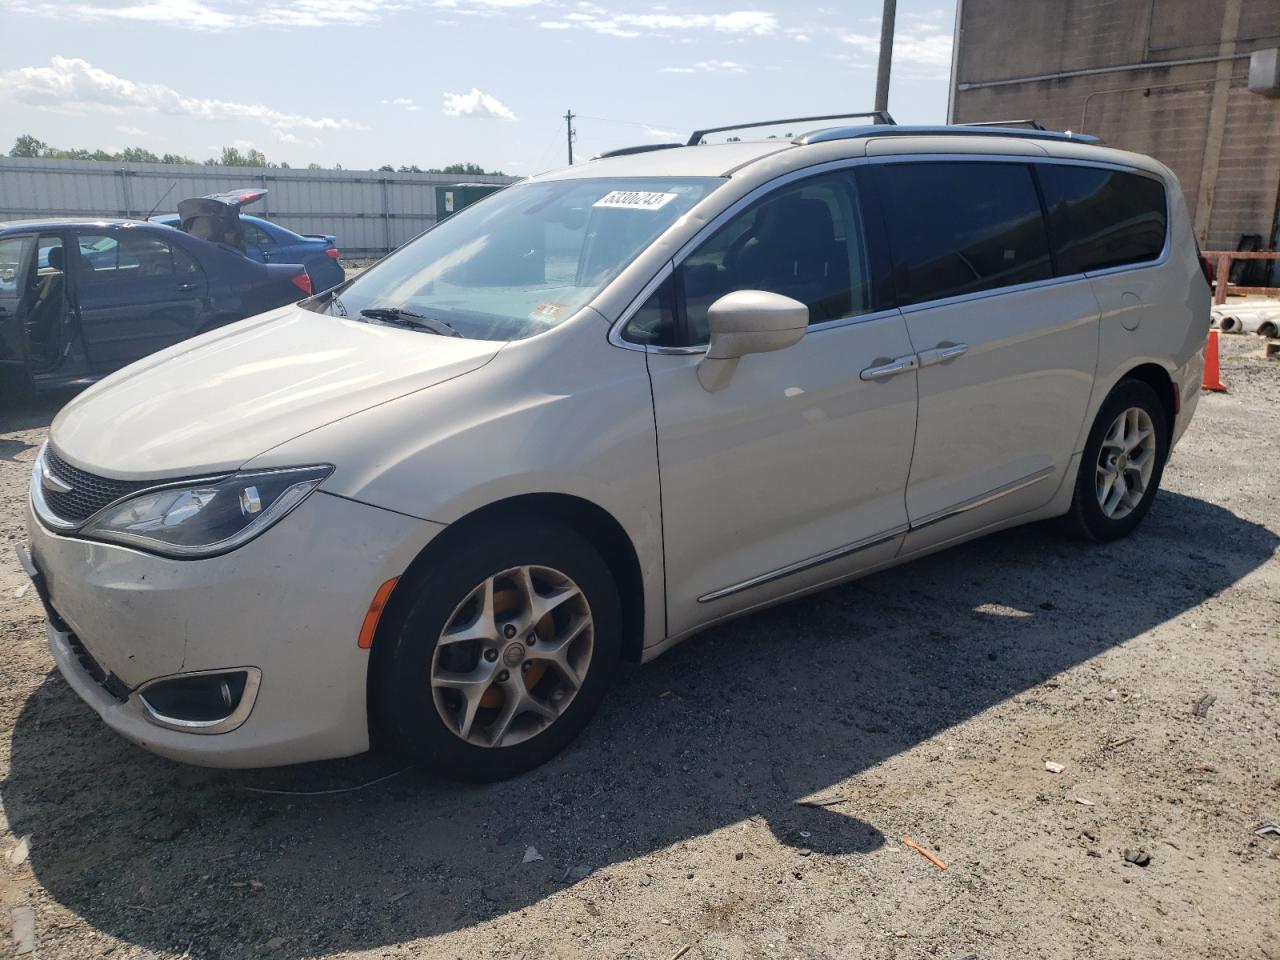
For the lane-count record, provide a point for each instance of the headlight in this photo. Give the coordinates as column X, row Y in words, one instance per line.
column 203, row 519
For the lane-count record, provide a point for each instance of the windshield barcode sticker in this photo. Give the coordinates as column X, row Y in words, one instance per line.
column 634, row 200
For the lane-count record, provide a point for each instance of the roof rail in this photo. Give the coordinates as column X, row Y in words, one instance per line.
column 879, row 117
column 1033, row 124
column 855, row 133
column 641, row 148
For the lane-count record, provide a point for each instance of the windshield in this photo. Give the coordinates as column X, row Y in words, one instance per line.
column 522, row 260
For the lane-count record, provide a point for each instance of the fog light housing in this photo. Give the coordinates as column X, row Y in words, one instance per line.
column 214, row 701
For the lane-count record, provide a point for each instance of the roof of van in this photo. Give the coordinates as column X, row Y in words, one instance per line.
column 724, row 159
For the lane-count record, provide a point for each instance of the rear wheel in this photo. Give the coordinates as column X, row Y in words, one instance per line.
column 506, row 651
column 1122, row 464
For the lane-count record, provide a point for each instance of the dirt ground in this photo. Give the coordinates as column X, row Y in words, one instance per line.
column 920, row 702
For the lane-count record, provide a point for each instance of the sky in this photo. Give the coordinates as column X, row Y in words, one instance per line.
column 430, row 82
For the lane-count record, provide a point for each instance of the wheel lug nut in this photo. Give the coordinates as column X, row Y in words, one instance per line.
column 526, row 665
column 491, row 655
column 503, row 676
column 509, row 631
column 531, row 639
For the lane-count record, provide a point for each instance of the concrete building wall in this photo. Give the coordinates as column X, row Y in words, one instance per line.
column 1119, row 69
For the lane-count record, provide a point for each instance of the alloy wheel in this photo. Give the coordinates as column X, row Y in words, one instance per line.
column 512, row 656
column 1126, row 463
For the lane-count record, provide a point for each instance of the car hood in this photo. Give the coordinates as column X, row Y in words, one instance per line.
column 211, row 404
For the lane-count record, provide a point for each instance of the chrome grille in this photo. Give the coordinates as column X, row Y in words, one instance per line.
column 89, row 493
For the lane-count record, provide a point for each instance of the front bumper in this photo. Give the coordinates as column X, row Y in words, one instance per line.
column 289, row 604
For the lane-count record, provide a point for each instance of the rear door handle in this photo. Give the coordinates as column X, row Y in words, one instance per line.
column 184, row 287
column 942, row 353
column 889, row 368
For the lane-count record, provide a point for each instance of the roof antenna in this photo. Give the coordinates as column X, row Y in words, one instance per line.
column 160, row 201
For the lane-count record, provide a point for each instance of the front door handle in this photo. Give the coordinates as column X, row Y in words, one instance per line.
column 942, row 353
column 889, row 368
column 188, row 285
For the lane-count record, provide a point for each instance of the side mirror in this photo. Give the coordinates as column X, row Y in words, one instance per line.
column 748, row 321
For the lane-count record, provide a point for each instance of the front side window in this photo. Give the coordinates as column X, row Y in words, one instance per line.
column 957, row 228
column 524, row 259
column 1102, row 218
column 804, row 241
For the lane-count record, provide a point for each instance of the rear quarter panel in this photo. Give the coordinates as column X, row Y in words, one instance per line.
column 1154, row 314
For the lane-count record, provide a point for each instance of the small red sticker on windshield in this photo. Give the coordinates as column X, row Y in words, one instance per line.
column 548, row 310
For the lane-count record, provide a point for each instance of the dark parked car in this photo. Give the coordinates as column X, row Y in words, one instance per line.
column 79, row 299
column 220, row 215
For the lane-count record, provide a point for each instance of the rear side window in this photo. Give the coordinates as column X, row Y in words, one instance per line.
column 1102, row 218
column 957, row 228
column 255, row 236
column 115, row 258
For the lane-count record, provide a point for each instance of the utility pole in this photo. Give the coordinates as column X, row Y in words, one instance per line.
column 568, row 119
column 886, row 55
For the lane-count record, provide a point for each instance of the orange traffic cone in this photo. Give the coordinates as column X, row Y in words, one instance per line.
column 1212, row 379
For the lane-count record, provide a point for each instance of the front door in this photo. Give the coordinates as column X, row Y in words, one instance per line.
column 15, row 264
column 136, row 294
column 1006, row 351
column 793, row 474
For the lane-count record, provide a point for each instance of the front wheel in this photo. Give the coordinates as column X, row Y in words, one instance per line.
column 1122, row 464
column 506, row 651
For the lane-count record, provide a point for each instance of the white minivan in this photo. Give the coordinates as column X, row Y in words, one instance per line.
column 599, row 411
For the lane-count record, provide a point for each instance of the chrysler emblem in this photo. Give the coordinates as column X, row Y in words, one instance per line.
column 53, row 483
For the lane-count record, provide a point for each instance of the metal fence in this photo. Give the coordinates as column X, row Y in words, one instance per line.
column 369, row 211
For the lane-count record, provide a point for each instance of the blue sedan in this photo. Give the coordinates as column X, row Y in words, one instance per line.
column 269, row 242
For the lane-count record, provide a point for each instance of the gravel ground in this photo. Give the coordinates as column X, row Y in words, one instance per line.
column 922, row 702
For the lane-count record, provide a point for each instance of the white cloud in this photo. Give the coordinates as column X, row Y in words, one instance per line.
column 131, row 131
column 598, row 20
column 924, row 50
column 74, row 84
column 922, row 40
column 405, row 102
column 220, row 15
column 483, row 7
column 708, row 66
column 476, row 104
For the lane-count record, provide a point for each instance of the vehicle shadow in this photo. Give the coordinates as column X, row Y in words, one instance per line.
column 741, row 722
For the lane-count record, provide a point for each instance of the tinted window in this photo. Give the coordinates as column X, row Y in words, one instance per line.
column 958, row 228
column 255, row 236
column 804, row 241
column 655, row 321
column 113, row 258
column 183, row 262
column 1102, row 218
column 13, row 251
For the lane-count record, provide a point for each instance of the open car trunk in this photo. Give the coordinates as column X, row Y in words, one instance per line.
column 216, row 218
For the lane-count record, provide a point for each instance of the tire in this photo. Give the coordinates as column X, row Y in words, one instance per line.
column 426, row 717
column 1089, row 517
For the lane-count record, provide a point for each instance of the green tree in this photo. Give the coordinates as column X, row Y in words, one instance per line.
column 138, row 155
column 28, row 146
column 387, row 167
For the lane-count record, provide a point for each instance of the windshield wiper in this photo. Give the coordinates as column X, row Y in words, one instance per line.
column 400, row 317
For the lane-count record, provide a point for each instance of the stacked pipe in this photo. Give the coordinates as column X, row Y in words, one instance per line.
column 1262, row 319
